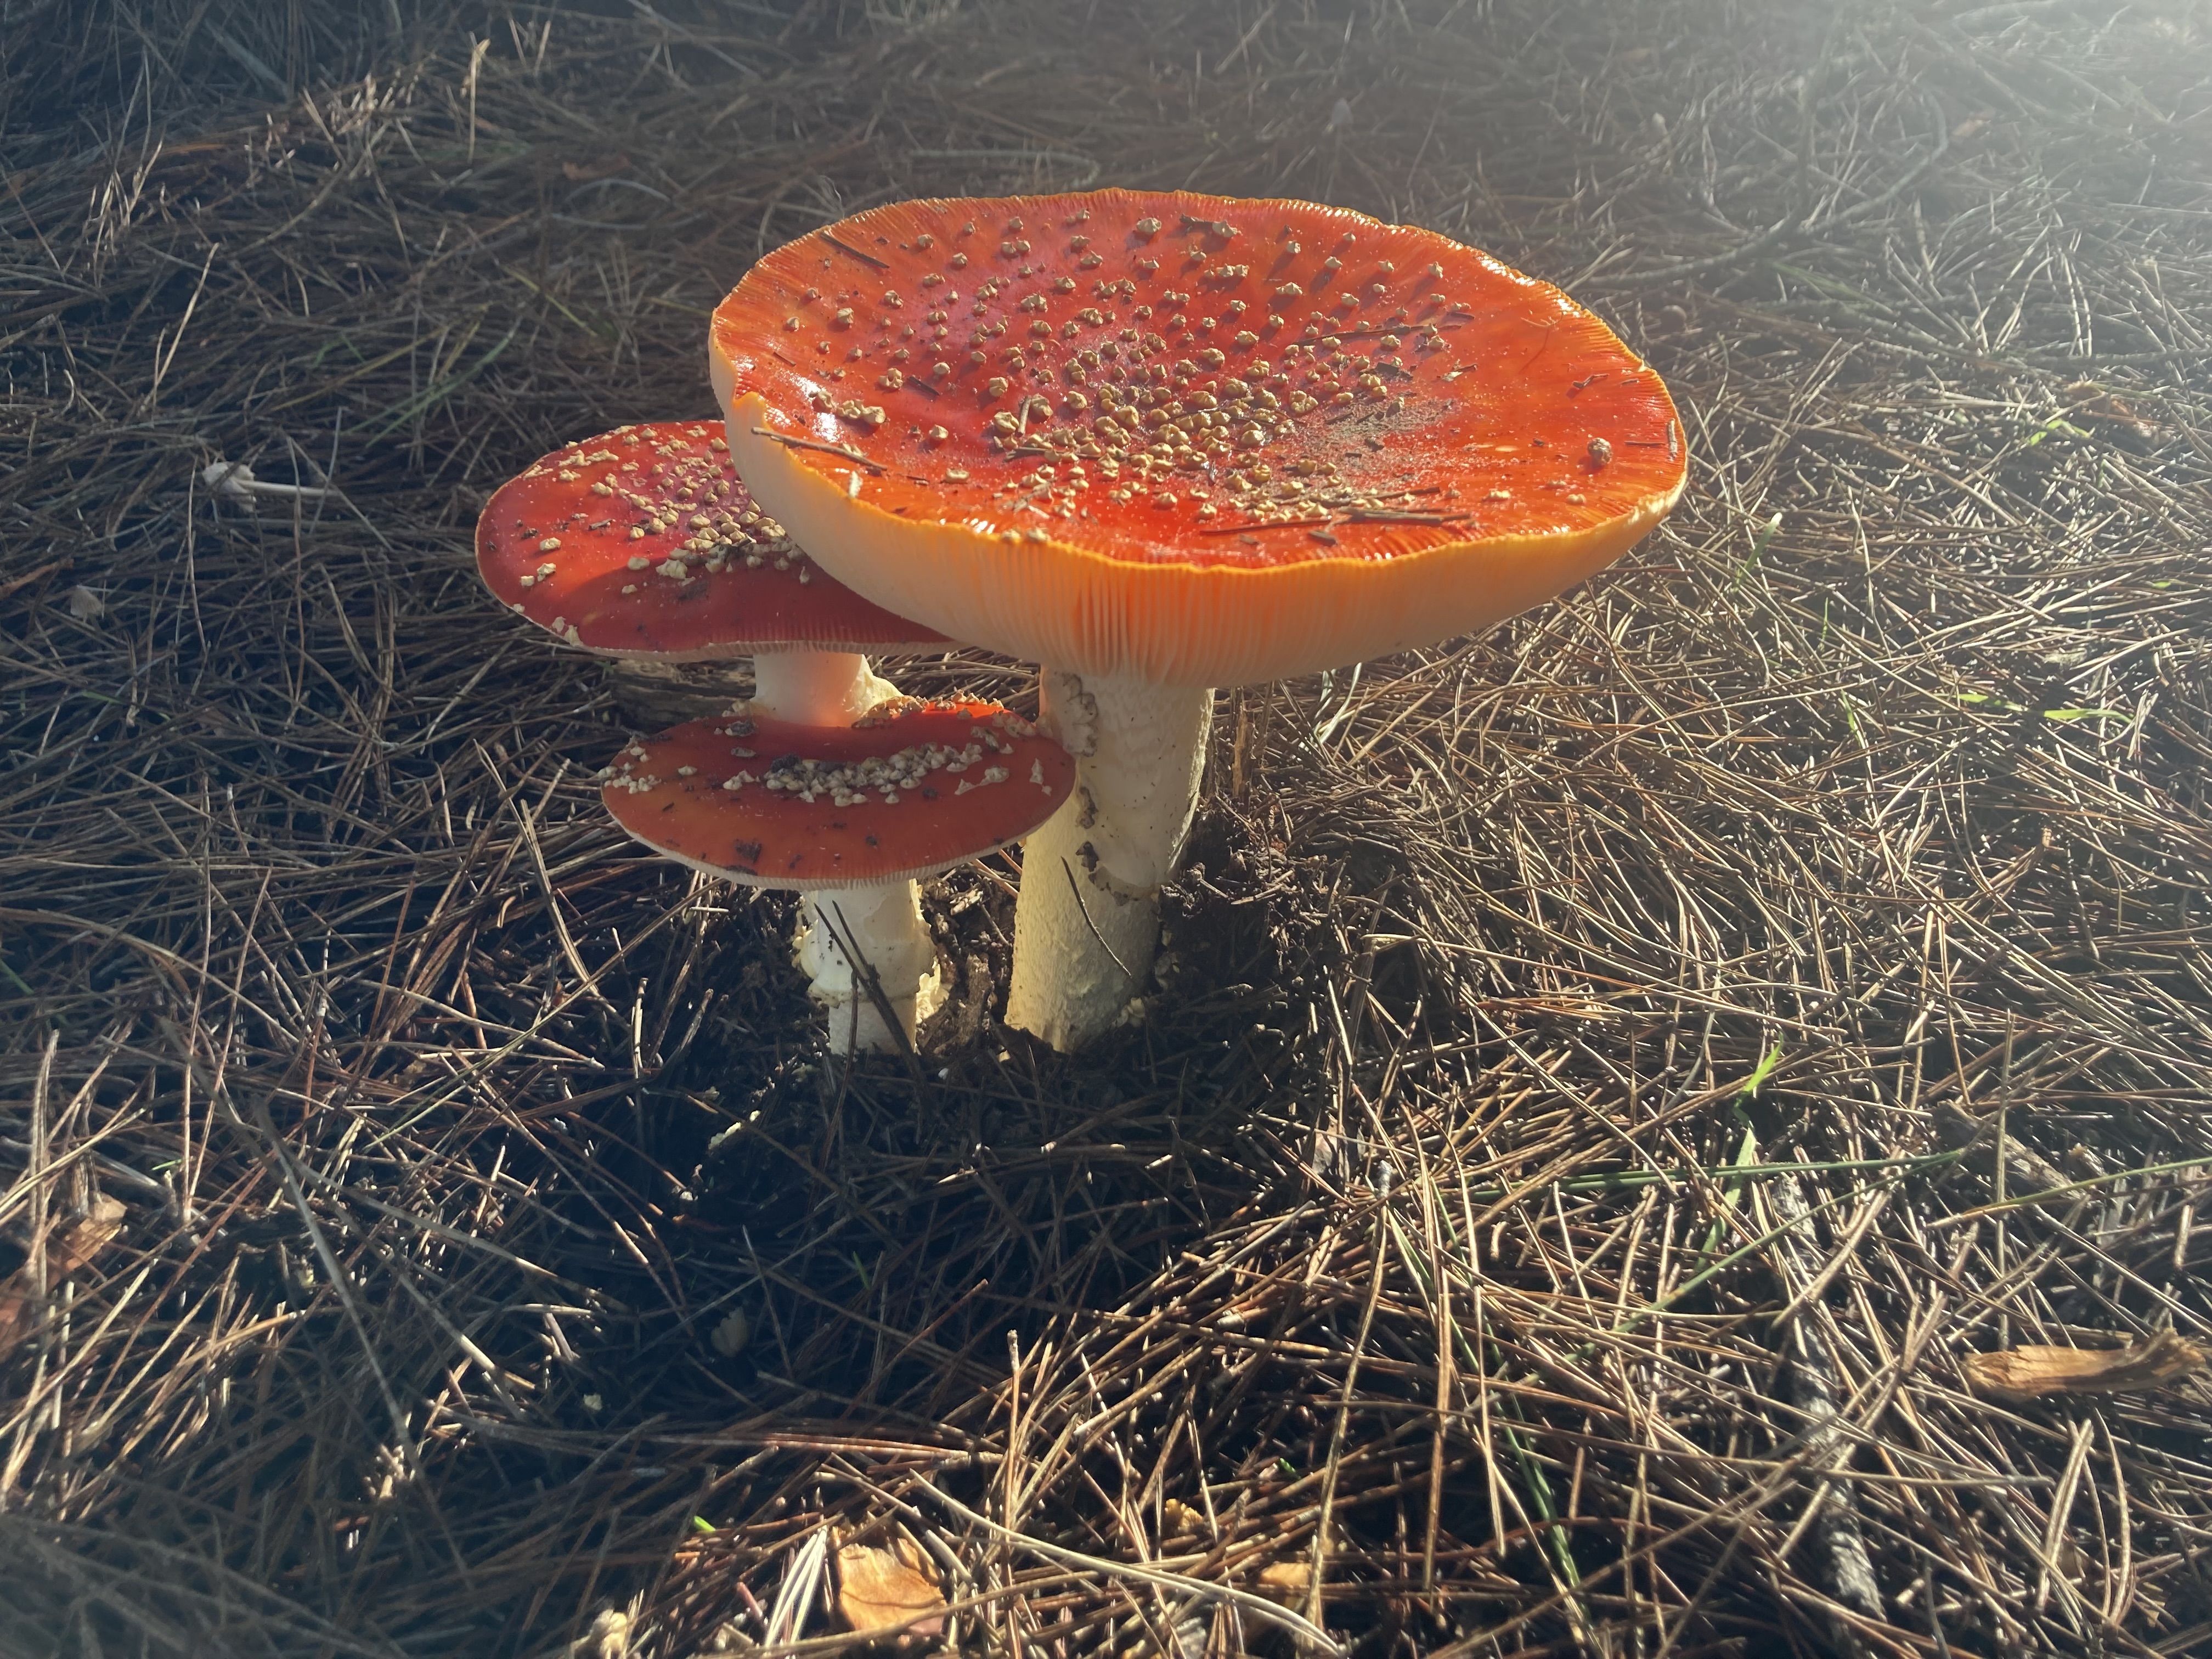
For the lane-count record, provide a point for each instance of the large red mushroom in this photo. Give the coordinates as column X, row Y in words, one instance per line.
column 1161, row 442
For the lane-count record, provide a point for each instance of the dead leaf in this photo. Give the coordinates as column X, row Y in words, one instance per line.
column 2090, row 401
column 582, row 173
column 890, row 1587
column 1286, row 1582
column 608, row 1637
column 71, row 1250
column 2029, row 1373
column 730, row 1336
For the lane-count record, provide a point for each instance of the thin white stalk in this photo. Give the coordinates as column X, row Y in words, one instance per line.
column 881, row 922
column 818, row 687
column 235, row 480
column 1087, row 924
column 882, row 925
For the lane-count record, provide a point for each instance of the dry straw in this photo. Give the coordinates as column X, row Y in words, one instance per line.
column 1612, row 1073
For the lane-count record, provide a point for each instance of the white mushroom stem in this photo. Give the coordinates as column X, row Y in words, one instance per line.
column 1088, row 922
column 880, row 923
column 818, row 687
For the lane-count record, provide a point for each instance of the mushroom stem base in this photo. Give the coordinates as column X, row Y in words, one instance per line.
column 883, row 926
column 1087, row 925
column 882, row 922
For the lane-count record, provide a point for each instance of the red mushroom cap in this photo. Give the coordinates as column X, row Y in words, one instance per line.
column 1201, row 439
column 642, row 543
column 911, row 789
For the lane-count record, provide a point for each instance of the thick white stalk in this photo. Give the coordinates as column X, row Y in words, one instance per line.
column 1088, row 922
column 882, row 922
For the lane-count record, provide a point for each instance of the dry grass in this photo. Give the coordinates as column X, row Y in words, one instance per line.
column 1608, row 1073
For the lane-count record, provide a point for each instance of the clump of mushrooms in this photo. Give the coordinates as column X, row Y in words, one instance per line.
column 1161, row 442
column 642, row 543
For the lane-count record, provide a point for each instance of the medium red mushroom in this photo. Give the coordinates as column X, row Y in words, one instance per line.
column 1161, row 442
column 841, row 813
column 642, row 543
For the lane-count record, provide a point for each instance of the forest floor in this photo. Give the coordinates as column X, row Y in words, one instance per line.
column 1609, row 1078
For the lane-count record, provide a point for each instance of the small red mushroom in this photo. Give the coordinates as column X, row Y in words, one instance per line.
column 852, row 816
column 1161, row 442
column 908, row 790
